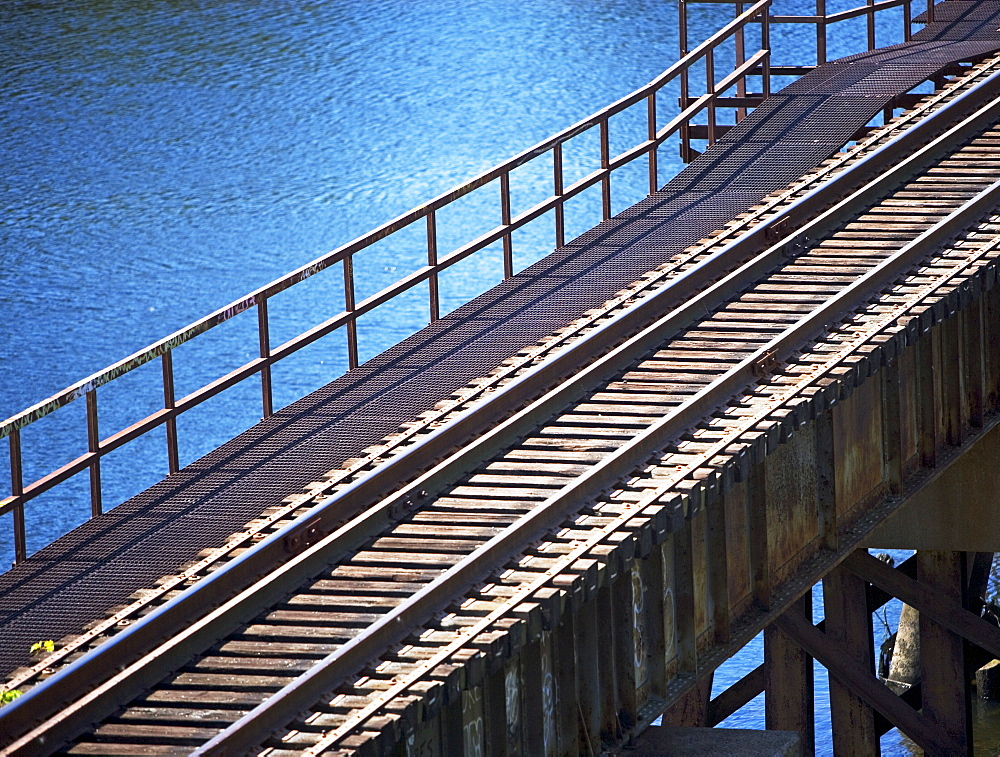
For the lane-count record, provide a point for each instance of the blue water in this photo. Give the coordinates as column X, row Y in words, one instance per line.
column 162, row 159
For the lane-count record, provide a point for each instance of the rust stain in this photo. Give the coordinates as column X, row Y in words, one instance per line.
column 857, row 427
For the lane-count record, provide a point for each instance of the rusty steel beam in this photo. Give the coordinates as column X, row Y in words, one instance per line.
column 938, row 605
column 839, row 661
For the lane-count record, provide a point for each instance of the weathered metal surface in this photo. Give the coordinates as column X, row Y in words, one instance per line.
column 858, row 448
column 661, row 504
column 237, row 508
column 696, row 593
column 790, row 496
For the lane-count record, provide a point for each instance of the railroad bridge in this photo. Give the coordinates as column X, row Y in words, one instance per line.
column 540, row 524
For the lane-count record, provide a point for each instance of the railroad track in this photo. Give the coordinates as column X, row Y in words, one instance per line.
column 586, row 444
column 770, row 219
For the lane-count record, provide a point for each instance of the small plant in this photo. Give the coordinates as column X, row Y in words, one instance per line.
column 43, row 647
column 6, row 697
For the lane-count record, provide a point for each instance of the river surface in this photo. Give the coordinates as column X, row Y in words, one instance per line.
column 161, row 159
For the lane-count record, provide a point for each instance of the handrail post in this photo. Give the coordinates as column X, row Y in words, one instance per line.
column 505, row 215
column 682, row 37
column 264, row 340
column 907, row 20
column 710, row 90
column 651, row 135
column 870, row 16
column 765, row 44
column 17, row 489
column 741, row 58
column 821, row 33
column 557, row 191
column 173, row 457
column 94, row 446
column 349, row 305
column 605, row 166
column 434, row 295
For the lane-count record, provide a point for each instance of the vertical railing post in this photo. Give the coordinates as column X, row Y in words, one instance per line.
column 821, row 33
column 17, row 489
column 173, row 457
column 94, row 446
column 434, row 302
column 651, row 135
column 682, row 37
column 907, row 20
column 605, row 166
column 557, row 188
column 765, row 43
column 264, row 340
column 710, row 90
column 741, row 57
column 930, row 11
column 349, row 305
column 870, row 15
column 508, row 243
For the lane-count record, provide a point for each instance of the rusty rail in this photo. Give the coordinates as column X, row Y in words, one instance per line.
column 183, row 621
column 656, row 135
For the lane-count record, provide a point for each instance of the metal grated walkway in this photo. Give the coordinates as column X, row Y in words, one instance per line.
column 100, row 564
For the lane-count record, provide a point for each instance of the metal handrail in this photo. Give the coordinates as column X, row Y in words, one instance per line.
column 821, row 19
column 347, row 318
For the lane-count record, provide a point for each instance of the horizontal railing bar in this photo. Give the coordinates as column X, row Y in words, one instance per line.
column 750, row 101
column 46, row 482
column 130, row 363
column 308, row 337
column 137, row 429
column 863, row 10
column 783, row 71
column 797, row 19
column 220, row 384
column 832, row 18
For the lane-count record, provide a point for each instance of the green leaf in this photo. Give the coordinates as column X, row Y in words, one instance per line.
column 6, row 697
column 42, row 647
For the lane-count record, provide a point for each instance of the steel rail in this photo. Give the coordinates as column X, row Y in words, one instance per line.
column 49, row 697
column 639, row 509
column 244, row 539
column 255, row 726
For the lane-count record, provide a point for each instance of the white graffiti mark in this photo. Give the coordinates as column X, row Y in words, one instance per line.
column 638, row 618
column 472, row 720
column 668, row 621
column 512, row 696
column 237, row 307
column 548, row 704
column 422, row 748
